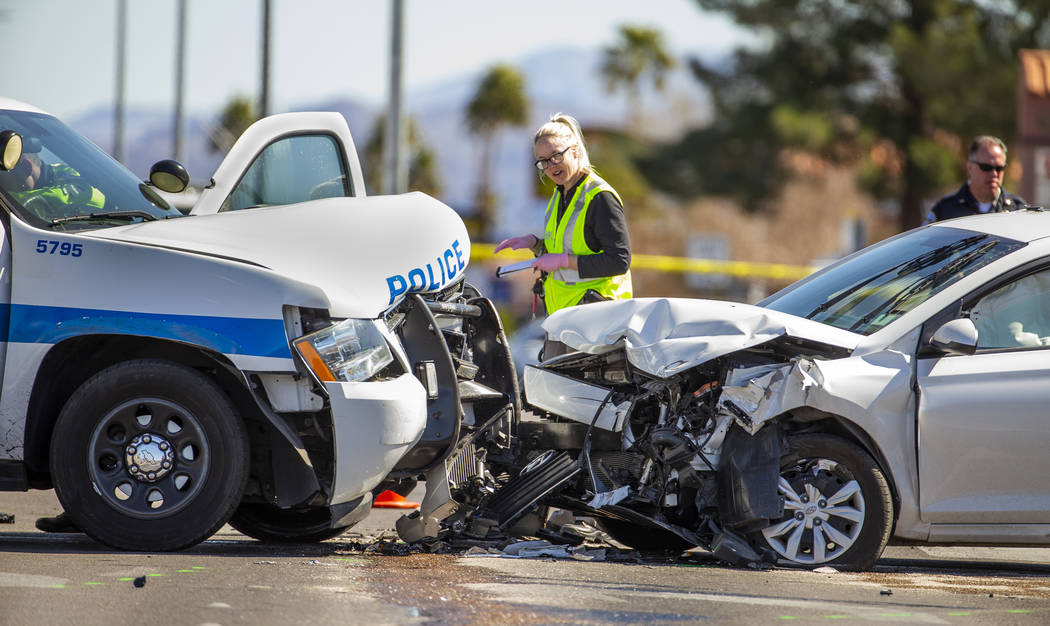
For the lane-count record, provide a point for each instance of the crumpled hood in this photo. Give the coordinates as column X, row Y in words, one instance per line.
column 365, row 253
column 664, row 336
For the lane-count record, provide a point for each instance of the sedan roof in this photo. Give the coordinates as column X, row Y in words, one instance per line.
column 1022, row 225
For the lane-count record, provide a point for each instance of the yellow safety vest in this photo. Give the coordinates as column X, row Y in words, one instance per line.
column 61, row 189
column 564, row 288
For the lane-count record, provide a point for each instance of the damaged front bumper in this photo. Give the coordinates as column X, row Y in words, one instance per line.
column 374, row 425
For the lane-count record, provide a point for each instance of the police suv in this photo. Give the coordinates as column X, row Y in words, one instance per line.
column 270, row 359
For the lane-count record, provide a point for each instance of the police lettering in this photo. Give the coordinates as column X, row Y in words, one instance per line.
column 431, row 277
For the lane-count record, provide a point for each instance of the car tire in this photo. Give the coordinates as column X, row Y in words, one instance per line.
column 271, row 524
column 149, row 455
column 837, row 511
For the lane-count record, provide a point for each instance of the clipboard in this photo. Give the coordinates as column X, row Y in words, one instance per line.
column 505, row 270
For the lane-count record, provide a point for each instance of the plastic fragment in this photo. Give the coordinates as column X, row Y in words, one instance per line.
column 608, row 498
column 886, row 592
column 589, row 555
column 537, row 549
column 140, row 581
column 729, row 547
column 515, row 549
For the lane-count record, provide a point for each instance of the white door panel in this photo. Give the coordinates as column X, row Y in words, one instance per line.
column 274, row 129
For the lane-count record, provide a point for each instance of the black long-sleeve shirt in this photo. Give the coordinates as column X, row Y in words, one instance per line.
column 605, row 230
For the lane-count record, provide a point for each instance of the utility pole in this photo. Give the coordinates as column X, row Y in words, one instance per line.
column 395, row 178
column 118, row 115
column 180, row 68
column 264, row 98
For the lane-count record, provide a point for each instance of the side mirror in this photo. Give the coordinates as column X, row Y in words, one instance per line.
column 169, row 176
column 10, row 149
column 957, row 336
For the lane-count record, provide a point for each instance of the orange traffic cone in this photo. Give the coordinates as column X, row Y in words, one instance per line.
column 390, row 500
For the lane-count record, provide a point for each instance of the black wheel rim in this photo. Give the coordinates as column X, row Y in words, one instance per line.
column 148, row 458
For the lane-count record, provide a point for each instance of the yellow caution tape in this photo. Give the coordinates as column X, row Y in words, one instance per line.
column 740, row 269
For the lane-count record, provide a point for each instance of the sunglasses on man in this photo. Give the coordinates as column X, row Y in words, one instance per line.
column 988, row 167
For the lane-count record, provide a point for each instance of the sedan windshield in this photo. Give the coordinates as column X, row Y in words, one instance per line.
column 872, row 288
column 64, row 182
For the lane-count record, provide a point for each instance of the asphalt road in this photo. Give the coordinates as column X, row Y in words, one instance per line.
column 230, row 579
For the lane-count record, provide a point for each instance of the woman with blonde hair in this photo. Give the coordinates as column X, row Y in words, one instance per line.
column 585, row 252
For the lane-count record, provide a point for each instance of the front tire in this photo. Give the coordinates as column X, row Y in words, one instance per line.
column 149, row 455
column 837, row 505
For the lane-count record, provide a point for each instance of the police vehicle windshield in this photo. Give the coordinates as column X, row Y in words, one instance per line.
column 870, row 289
column 64, row 182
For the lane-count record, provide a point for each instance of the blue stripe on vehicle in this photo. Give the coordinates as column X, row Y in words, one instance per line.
column 228, row 335
column 5, row 320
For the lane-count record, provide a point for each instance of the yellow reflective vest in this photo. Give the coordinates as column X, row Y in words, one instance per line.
column 62, row 188
column 564, row 287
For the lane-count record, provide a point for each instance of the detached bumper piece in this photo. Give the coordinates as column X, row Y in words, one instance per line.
column 539, row 479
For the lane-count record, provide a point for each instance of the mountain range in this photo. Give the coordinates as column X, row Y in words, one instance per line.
column 566, row 80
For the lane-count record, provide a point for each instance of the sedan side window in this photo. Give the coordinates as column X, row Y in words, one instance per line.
column 1016, row 315
column 289, row 170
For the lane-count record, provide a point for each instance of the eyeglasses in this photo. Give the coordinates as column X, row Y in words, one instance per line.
column 554, row 159
column 988, row 167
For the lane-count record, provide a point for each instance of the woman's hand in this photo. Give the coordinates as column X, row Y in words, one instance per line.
column 550, row 262
column 517, row 243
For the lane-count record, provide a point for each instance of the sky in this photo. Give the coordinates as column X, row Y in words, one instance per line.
column 64, row 51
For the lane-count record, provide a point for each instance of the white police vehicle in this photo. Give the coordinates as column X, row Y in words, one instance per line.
column 269, row 367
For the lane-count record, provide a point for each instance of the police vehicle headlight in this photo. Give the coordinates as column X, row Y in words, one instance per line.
column 349, row 351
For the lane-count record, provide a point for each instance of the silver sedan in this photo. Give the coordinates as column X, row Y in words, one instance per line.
column 909, row 381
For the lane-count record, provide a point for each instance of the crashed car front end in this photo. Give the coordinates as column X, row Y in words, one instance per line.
column 786, row 431
column 668, row 424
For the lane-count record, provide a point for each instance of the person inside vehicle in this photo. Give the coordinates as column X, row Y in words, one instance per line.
column 49, row 189
column 983, row 190
column 46, row 189
column 585, row 253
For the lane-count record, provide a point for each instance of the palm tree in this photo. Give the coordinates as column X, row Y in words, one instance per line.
column 422, row 165
column 499, row 101
column 238, row 114
column 638, row 51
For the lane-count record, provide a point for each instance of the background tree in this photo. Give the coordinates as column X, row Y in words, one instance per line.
column 894, row 88
column 638, row 51
column 422, row 164
column 499, row 101
column 238, row 114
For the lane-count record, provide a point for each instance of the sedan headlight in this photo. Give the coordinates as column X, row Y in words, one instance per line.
column 349, row 351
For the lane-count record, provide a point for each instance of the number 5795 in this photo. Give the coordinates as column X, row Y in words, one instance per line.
column 63, row 248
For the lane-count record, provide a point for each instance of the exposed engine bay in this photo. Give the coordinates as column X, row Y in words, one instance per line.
column 660, row 463
column 723, row 450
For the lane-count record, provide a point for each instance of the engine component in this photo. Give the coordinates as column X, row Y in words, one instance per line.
column 539, row 478
column 573, row 399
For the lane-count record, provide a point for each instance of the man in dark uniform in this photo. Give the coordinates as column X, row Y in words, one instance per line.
column 983, row 191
